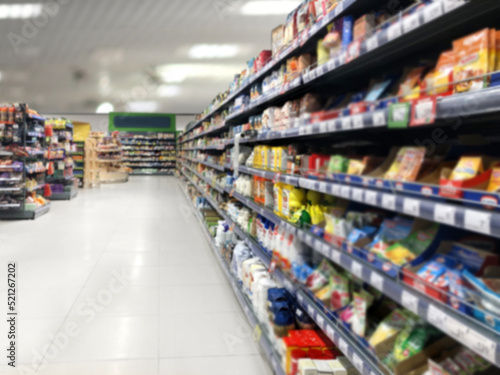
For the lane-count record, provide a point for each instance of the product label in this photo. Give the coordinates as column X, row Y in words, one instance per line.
column 378, row 118
column 410, row 301
column 411, row 22
column 371, row 197
column 358, row 122
column 444, row 214
column 377, row 281
column 357, row 269
column 411, row 207
column 346, row 123
column 399, row 114
column 433, row 11
column 372, row 43
column 389, row 202
column 394, row 31
column 424, row 111
column 478, row 221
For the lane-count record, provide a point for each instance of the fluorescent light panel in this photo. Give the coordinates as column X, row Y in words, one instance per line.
column 105, row 107
column 268, row 8
column 142, row 106
column 169, row 91
column 23, row 11
column 213, row 51
column 176, row 73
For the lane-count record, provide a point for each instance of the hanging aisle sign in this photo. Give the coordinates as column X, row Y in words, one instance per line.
column 142, row 122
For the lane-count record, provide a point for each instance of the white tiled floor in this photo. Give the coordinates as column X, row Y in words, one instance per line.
column 125, row 269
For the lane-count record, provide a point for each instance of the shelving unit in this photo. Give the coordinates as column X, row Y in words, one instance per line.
column 78, row 157
column 22, row 146
column 429, row 27
column 62, row 182
column 109, row 152
column 149, row 154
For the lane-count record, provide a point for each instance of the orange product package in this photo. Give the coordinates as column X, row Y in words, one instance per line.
column 497, row 50
column 407, row 164
column 472, row 58
column 443, row 75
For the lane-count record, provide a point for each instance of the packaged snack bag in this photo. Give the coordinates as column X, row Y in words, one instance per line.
column 389, row 327
column 391, row 231
column 340, row 287
column 278, row 203
column 322, row 52
column 472, row 58
column 338, row 164
column 320, row 277
column 497, row 43
column 286, row 191
column 361, row 303
column 410, row 87
column 467, row 168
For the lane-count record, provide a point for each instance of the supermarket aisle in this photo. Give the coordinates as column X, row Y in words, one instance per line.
column 121, row 281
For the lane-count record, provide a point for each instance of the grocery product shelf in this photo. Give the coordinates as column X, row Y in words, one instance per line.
column 212, row 184
column 208, row 164
column 360, row 358
column 213, row 130
column 460, row 327
column 447, row 19
column 24, row 215
column 298, row 46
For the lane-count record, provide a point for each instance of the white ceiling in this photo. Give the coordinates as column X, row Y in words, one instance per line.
column 94, row 51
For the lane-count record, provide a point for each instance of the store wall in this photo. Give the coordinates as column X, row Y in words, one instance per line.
column 100, row 122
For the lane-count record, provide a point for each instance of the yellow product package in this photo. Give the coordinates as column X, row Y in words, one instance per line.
column 494, row 185
column 322, row 52
column 297, row 199
column 497, row 50
column 443, row 75
column 256, row 157
column 281, row 159
column 472, row 58
column 467, row 168
column 317, row 214
column 264, row 157
column 356, row 167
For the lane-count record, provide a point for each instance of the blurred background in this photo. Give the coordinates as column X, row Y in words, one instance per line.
column 96, row 56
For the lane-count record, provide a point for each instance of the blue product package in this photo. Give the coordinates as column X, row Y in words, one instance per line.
column 377, row 91
column 436, row 268
column 471, row 259
column 344, row 27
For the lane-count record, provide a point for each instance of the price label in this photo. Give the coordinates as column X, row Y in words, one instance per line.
column 436, row 316
column 411, row 207
column 320, row 321
column 358, row 122
column 309, row 129
column 424, row 111
column 371, row 197
column 389, row 202
column 456, row 329
column 323, row 127
column 372, row 43
column 343, row 346
column 346, row 122
column 410, row 301
column 335, row 189
column 482, row 345
column 324, row 249
column 357, row 194
column 307, row 184
column 478, row 221
column 377, row 281
column 322, row 187
column 336, row 256
column 312, row 74
column 339, row 9
column 449, row 5
column 357, row 362
column 330, row 333
column 411, row 22
column 444, row 214
column 394, row 31
column 332, row 126
column 342, row 58
column 331, row 64
column 302, row 130
column 433, row 11
column 300, row 298
column 310, row 310
column 357, row 269
column 378, row 118
column 345, row 192
column 400, row 113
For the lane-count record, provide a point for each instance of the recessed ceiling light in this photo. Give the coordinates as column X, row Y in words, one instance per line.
column 268, row 8
column 142, row 106
column 168, row 91
column 213, row 51
column 20, row 10
column 105, row 107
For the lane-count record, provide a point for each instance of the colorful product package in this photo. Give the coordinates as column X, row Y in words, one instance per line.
column 467, row 168
column 412, row 246
column 438, row 265
column 472, row 59
column 361, row 303
column 443, row 75
column 341, row 290
column 391, row 231
column 410, row 87
column 338, row 164
column 389, row 327
column 321, row 276
column 407, row 164
column 278, row 202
